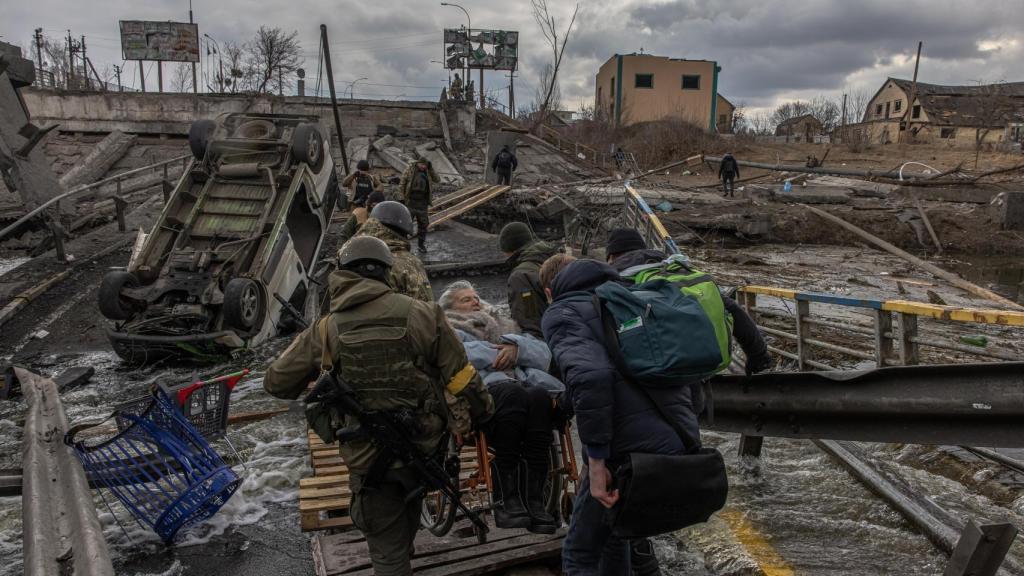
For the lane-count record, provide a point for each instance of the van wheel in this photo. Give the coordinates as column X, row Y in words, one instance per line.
column 244, row 304
column 199, row 137
column 112, row 305
column 308, row 146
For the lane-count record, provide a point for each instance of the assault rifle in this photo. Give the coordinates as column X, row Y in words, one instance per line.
column 391, row 433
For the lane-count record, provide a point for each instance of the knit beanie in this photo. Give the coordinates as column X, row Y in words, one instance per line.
column 514, row 236
column 622, row 240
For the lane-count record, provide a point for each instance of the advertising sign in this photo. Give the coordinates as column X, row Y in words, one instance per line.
column 482, row 49
column 167, row 41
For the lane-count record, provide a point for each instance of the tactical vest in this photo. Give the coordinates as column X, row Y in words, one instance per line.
column 373, row 355
column 419, row 187
column 363, row 189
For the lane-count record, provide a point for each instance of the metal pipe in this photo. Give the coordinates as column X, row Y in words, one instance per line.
column 778, row 333
column 855, row 328
column 79, row 190
column 821, row 170
column 791, row 356
column 966, row 349
column 840, row 349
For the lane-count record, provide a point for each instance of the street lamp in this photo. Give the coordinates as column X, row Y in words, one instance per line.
column 469, row 45
column 352, row 88
column 220, row 60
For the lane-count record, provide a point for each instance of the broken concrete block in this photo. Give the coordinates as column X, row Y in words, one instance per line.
column 1013, row 211
column 98, row 161
column 444, row 168
column 357, row 149
column 393, row 155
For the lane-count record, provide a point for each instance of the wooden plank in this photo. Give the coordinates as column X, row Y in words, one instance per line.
column 458, row 196
column 466, row 205
column 498, row 562
column 332, row 471
column 324, row 481
column 315, row 493
column 311, row 522
column 323, row 504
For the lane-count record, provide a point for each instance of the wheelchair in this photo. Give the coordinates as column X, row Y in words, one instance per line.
column 472, row 465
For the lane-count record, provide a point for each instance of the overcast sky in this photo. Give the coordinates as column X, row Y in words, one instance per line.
column 770, row 51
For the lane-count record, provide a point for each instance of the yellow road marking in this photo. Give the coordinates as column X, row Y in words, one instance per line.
column 767, row 558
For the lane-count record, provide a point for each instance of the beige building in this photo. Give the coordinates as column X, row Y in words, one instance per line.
column 634, row 88
column 956, row 115
column 799, row 129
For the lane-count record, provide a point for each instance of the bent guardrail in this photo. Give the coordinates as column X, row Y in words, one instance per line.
column 62, row 534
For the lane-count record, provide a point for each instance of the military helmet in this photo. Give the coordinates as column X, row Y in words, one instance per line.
column 394, row 215
column 364, row 249
column 363, row 165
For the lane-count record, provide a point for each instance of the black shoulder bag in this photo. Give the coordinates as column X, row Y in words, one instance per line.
column 661, row 493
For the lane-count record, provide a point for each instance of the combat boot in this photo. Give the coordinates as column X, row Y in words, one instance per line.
column 642, row 558
column 508, row 506
column 540, row 521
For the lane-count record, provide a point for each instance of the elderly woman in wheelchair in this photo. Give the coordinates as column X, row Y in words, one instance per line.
column 528, row 404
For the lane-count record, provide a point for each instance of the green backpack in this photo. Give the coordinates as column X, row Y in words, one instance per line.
column 701, row 295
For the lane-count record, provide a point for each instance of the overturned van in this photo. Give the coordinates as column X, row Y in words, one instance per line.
column 232, row 258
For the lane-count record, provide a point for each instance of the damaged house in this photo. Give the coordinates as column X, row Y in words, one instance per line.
column 958, row 115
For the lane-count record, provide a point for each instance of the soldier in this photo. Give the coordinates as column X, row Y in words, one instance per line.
column 456, row 90
column 369, row 324
column 526, row 299
column 355, row 220
column 416, row 186
column 361, row 184
column 391, row 222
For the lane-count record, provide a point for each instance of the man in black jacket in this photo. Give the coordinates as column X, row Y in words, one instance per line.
column 525, row 254
column 504, row 164
column 728, row 171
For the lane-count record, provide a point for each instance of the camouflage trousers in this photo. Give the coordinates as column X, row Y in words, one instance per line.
column 422, row 219
column 388, row 521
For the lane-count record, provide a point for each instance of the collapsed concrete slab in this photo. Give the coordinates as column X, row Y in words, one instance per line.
column 444, row 168
column 98, row 161
column 391, row 154
column 357, row 149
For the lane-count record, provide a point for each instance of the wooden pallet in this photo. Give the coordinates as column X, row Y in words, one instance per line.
column 457, row 554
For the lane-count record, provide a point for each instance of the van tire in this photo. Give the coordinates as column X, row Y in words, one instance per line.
column 244, row 305
column 308, row 146
column 199, row 137
column 112, row 305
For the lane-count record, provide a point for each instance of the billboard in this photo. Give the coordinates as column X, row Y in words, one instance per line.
column 167, row 41
column 493, row 50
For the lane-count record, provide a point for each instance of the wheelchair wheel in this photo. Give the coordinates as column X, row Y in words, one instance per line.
column 439, row 510
column 553, row 485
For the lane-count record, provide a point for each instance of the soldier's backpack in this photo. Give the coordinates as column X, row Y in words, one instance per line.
column 363, row 189
column 504, row 160
column 670, row 328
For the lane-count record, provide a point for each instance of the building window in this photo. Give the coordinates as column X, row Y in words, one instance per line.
column 915, row 112
column 947, row 133
column 644, row 81
column 691, row 82
column 887, row 109
column 878, row 110
column 898, row 105
column 723, row 119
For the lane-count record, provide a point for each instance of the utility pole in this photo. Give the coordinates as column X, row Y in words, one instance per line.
column 280, row 83
column 160, row 76
column 907, row 116
column 85, row 66
column 334, row 98
column 195, row 84
column 512, row 94
column 142, row 76
column 39, row 51
column 117, row 70
column 71, row 62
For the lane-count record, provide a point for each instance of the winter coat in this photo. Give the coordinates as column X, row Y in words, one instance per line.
column 728, row 167
column 480, row 332
column 526, row 298
column 512, row 165
column 744, row 330
column 417, row 200
column 613, row 416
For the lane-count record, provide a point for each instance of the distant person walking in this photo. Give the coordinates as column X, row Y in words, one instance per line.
column 504, row 164
column 416, row 187
column 728, row 171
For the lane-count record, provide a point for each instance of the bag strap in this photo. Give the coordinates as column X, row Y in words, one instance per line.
column 612, row 344
column 326, row 363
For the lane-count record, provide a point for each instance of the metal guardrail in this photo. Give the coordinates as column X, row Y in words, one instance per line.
column 62, row 534
column 119, row 202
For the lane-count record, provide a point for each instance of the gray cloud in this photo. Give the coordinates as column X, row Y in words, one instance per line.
column 770, row 50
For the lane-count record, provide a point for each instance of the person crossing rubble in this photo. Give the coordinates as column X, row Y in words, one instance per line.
column 354, row 221
column 525, row 254
column 396, row 353
column 455, row 92
column 361, row 184
column 504, row 163
column 728, row 172
column 416, row 187
column 391, row 223
column 527, row 400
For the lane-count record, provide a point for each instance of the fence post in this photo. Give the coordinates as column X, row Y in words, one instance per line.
column 883, row 343
column 749, row 301
column 119, row 206
column 803, row 351
column 909, row 352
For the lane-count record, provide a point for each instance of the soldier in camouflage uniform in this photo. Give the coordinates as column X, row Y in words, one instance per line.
column 526, row 300
column 392, row 223
column 416, row 187
column 396, row 353
column 355, row 220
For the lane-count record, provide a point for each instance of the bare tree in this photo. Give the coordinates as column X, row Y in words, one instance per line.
column 739, row 118
column 55, row 61
column 273, row 56
column 549, row 29
column 761, row 123
column 181, row 78
column 237, row 74
column 790, row 110
column 826, row 111
column 992, row 110
column 856, row 105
